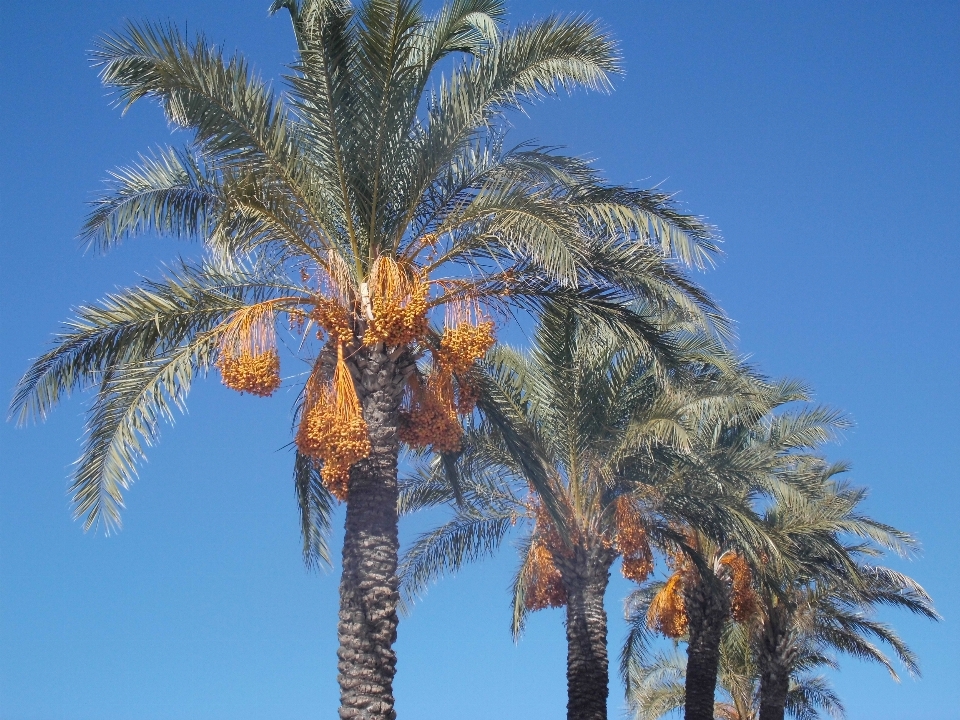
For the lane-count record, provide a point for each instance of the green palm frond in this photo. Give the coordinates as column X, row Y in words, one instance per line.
column 810, row 692
column 138, row 325
column 131, row 403
column 170, row 192
column 464, row 539
column 658, row 687
column 233, row 112
column 316, row 509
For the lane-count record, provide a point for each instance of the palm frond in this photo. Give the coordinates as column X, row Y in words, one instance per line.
column 466, row 538
column 137, row 325
column 316, row 509
column 132, row 401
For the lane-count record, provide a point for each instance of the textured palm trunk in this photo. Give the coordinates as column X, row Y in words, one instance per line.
column 707, row 606
column 776, row 650
column 774, row 686
column 369, row 586
column 585, row 578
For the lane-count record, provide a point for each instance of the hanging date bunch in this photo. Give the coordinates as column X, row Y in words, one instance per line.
column 248, row 360
column 333, row 318
column 431, row 417
column 630, row 540
column 743, row 600
column 544, row 585
column 667, row 613
column 398, row 304
column 331, row 305
column 467, row 336
column 332, row 429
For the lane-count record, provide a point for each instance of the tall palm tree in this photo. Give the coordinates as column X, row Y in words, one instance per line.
column 590, row 413
column 357, row 206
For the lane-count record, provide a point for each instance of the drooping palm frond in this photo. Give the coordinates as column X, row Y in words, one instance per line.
column 464, row 539
column 657, row 688
column 169, row 192
column 139, row 325
column 316, row 508
column 141, row 349
column 126, row 416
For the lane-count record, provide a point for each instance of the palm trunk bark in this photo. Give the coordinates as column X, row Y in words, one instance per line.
column 776, row 650
column 369, row 586
column 707, row 606
column 774, row 686
column 585, row 578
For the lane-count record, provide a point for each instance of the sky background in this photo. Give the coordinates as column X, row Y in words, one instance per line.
column 823, row 138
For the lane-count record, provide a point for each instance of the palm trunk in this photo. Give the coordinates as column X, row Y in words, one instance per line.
column 369, row 586
column 775, row 653
column 774, row 685
column 585, row 578
column 707, row 607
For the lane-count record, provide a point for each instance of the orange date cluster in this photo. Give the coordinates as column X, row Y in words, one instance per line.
column 332, row 429
column 544, row 584
column 257, row 374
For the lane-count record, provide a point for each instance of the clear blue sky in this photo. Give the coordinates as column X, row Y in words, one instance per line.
column 822, row 138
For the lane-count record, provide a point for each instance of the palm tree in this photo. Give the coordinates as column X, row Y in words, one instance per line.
column 588, row 414
column 818, row 598
column 356, row 207
column 825, row 600
column 657, row 685
column 732, row 461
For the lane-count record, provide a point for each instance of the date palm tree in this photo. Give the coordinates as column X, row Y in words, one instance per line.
column 657, row 685
column 738, row 458
column 588, row 414
column 825, row 601
column 372, row 206
column 818, row 599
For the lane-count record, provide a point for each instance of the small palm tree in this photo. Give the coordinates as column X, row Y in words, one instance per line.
column 817, row 598
column 657, row 686
column 733, row 461
column 374, row 207
column 825, row 600
column 561, row 455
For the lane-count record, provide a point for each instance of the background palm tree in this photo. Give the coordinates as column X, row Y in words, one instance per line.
column 825, row 600
column 568, row 431
column 657, row 685
column 733, row 461
column 816, row 598
column 352, row 207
